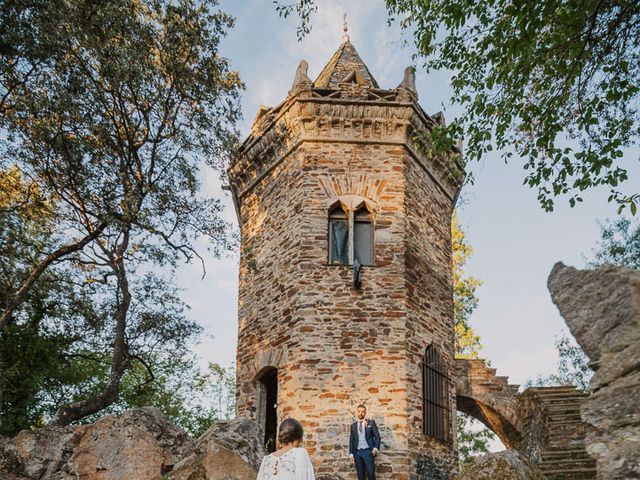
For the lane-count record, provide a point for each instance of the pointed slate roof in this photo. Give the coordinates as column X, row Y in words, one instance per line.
column 345, row 63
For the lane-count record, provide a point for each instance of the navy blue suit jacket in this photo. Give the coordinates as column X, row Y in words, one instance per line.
column 371, row 434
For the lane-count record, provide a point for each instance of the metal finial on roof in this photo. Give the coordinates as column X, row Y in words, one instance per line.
column 345, row 28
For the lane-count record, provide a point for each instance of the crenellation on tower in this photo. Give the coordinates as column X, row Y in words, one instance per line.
column 333, row 174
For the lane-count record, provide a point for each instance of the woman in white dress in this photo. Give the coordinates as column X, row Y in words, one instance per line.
column 290, row 461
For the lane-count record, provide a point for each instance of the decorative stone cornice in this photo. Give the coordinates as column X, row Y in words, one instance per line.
column 306, row 118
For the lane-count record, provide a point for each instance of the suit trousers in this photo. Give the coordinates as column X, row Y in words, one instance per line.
column 365, row 464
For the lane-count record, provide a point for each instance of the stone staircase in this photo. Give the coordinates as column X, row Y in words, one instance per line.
column 564, row 456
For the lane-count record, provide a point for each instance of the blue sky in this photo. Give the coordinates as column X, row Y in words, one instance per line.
column 515, row 243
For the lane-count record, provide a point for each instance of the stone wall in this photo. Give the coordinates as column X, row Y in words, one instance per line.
column 428, row 280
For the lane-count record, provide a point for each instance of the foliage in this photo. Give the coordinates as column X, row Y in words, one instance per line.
column 573, row 367
column 302, row 9
column 556, row 83
column 619, row 245
column 31, row 346
column 189, row 397
column 472, row 442
column 110, row 110
column 464, row 293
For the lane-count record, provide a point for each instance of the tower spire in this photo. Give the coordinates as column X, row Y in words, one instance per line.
column 345, row 28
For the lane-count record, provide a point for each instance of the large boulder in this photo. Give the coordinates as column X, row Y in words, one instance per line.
column 229, row 450
column 141, row 444
column 602, row 309
column 40, row 453
column 506, row 465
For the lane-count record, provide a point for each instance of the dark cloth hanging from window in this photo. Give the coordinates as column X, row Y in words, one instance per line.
column 339, row 241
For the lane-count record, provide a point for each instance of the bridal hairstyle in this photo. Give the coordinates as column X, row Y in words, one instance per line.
column 290, row 430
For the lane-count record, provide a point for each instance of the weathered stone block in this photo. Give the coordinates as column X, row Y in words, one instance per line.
column 229, row 450
column 507, row 465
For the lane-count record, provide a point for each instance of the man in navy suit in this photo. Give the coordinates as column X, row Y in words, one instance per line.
column 364, row 444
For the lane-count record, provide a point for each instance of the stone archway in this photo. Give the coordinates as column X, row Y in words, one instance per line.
column 488, row 398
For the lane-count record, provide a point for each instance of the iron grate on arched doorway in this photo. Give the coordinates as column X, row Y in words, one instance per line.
column 435, row 396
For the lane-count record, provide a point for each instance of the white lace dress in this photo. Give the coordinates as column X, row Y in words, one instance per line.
column 293, row 465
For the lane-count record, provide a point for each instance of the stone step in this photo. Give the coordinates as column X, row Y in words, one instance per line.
column 563, row 407
column 573, row 474
column 563, row 401
column 566, row 433
column 544, row 391
column 563, row 414
column 565, row 445
column 568, row 463
column 561, row 398
column 552, row 397
column 567, row 426
column 552, row 455
column 555, row 387
column 553, row 392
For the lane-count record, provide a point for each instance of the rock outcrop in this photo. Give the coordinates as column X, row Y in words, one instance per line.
column 506, row 465
column 602, row 309
column 227, row 451
column 140, row 444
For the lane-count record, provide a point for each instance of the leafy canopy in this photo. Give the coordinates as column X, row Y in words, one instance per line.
column 555, row 83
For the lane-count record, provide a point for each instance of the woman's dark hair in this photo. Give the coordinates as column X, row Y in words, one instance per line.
column 290, row 430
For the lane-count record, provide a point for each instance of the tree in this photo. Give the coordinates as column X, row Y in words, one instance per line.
column 465, row 300
column 619, row 245
column 555, row 83
column 111, row 109
column 573, row 367
column 473, row 439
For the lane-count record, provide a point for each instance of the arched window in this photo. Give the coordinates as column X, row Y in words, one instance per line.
column 338, row 236
column 363, row 236
column 435, row 396
column 351, row 231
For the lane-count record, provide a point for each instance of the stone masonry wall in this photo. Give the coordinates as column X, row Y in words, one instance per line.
column 429, row 312
column 343, row 347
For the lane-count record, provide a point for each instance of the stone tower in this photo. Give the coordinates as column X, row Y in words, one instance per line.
column 340, row 173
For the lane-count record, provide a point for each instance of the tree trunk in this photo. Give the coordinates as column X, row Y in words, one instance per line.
column 69, row 413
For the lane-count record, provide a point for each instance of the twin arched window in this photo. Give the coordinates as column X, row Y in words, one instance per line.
column 350, row 235
column 435, row 396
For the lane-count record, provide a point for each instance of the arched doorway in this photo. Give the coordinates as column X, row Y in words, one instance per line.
column 267, row 406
